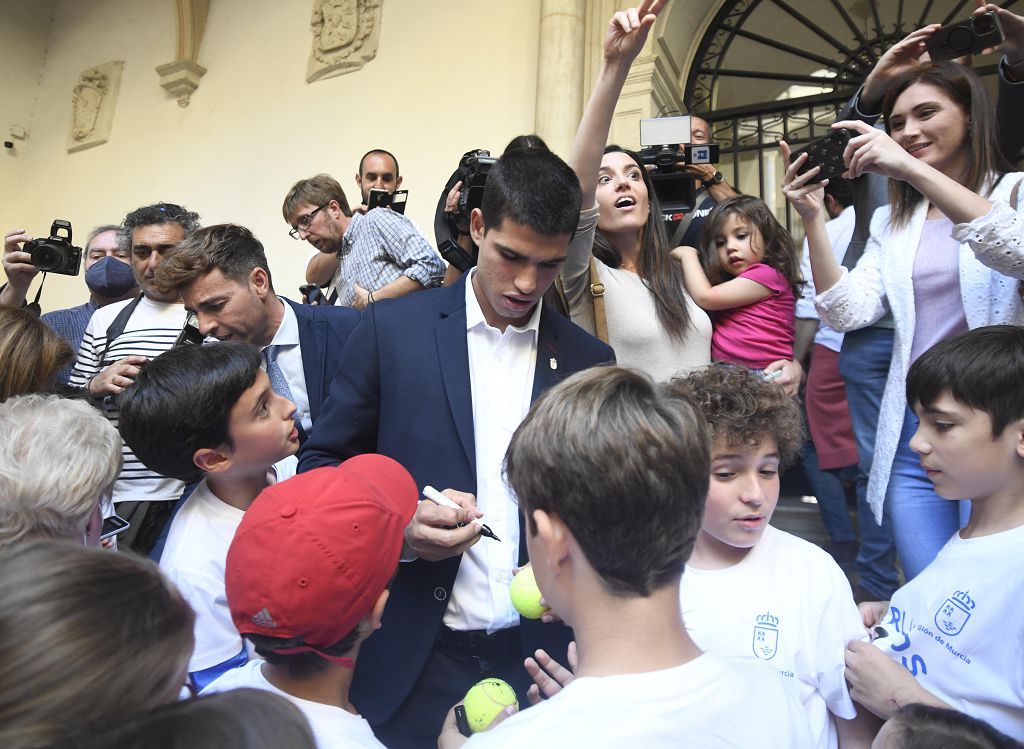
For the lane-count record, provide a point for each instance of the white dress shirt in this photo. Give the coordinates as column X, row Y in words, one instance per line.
column 501, row 367
column 289, row 358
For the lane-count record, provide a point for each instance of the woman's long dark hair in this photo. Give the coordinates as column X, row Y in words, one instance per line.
column 662, row 274
column 963, row 86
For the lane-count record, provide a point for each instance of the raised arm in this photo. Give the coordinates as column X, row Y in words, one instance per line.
column 627, row 32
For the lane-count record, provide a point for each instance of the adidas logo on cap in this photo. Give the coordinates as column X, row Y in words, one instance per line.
column 264, row 619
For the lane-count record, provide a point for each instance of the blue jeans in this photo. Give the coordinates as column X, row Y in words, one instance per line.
column 828, row 490
column 864, row 365
column 922, row 521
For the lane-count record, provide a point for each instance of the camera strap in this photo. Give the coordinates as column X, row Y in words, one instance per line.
column 116, row 328
column 33, row 308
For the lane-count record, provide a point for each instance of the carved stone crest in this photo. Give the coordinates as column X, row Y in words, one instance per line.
column 345, row 36
column 92, row 105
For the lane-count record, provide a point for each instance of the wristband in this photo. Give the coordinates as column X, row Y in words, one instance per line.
column 369, row 295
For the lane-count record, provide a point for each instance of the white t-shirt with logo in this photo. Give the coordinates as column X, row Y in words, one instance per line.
column 958, row 627
column 194, row 558
column 333, row 727
column 788, row 604
column 708, row 702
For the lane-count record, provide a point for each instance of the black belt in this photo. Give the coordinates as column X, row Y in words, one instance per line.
column 501, row 645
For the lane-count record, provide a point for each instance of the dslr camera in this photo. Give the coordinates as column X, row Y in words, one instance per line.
column 665, row 143
column 56, row 254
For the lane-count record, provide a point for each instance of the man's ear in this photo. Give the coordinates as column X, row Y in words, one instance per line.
column 476, row 226
column 377, row 612
column 1018, row 432
column 210, row 460
column 398, row 182
column 260, row 281
column 555, row 536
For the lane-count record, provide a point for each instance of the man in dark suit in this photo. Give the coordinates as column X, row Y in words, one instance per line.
column 439, row 380
column 222, row 275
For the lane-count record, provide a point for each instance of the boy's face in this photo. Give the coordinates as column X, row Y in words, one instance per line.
column 261, row 427
column 956, row 448
column 742, row 495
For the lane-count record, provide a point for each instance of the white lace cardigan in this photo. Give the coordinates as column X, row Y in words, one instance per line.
column 991, row 262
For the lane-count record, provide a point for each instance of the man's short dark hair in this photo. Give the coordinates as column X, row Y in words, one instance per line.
column 158, row 213
column 840, row 189
column 982, row 368
column 232, row 249
column 383, row 153
column 533, row 188
column 742, row 409
column 181, row 401
column 623, row 462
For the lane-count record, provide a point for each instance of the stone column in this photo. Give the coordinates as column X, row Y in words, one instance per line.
column 560, row 93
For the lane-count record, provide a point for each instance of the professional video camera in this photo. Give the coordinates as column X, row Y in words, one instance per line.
column 665, row 142
column 472, row 172
column 56, row 254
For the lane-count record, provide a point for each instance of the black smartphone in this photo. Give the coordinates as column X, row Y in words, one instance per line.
column 378, row 198
column 965, row 38
column 190, row 334
column 312, row 294
column 827, row 153
column 112, row 526
column 398, row 199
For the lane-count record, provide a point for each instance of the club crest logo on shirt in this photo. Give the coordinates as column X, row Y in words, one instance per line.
column 954, row 613
column 766, row 636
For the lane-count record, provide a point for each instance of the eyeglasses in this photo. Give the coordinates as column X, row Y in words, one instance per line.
column 304, row 222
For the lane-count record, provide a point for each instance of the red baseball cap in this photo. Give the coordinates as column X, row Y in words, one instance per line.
column 313, row 553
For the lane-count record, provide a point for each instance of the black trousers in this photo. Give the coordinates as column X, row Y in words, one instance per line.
column 444, row 681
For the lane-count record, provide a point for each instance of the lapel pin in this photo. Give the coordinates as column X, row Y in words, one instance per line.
column 553, row 363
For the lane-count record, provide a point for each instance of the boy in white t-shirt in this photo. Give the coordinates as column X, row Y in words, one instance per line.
column 751, row 590
column 610, row 471
column 954, row 635
column 307, row 578
column 209, row 412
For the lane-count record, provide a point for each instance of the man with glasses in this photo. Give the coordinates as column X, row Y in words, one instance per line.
column 369, row 257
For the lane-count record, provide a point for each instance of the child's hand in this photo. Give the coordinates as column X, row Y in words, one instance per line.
column 808, row 198
column 872, row 612
column 879, row 683
column 450, row 736
column 792, row 375
column 549, row 676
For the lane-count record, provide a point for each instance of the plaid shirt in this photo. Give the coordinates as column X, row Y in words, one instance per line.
column 70, row 324
column 380, row 246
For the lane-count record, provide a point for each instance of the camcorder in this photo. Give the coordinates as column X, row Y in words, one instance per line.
column 472, row 172
column 665, row 143
column 965, row 38
column 56, row 254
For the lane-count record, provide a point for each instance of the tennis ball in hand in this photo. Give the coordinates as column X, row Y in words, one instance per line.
column 485, row 700
column 526, row 595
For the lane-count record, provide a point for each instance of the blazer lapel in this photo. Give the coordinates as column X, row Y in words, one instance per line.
column 547, row 371
column 453, row 355
column 312, row 344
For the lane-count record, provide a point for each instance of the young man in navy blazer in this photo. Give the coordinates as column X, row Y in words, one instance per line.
column 222, row 275
column 439, row 381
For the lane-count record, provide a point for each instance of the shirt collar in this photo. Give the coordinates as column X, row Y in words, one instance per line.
column 475, row 315
column 288, row 331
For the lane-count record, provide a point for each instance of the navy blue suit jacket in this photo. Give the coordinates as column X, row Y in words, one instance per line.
column 405, row 392
column 323, row 332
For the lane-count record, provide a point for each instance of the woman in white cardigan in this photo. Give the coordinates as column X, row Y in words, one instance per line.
column 945, row 256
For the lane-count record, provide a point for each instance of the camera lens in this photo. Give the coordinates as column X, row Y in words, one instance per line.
column 961, row 40
column 984, row 24
column 47, row 257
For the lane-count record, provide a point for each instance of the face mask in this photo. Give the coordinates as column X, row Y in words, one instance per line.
column 110, row 278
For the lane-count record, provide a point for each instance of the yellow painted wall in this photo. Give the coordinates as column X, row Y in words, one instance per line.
column 449, row 75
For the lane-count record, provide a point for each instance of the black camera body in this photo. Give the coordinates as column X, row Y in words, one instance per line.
column 473, row 170
column 965, row 38
column 56, row 254
column 827, row 153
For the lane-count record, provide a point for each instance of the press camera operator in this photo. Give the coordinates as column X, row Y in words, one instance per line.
column 108, row 275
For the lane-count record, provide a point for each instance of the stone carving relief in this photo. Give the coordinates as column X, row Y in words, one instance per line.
column 345, row 36
column 92, row 105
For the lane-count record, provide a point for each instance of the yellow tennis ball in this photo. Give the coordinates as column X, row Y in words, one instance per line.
column 526, row 595
column 485, row 700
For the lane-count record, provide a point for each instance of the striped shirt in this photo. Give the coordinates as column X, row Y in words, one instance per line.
column 380, row 246
column 152, row 329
